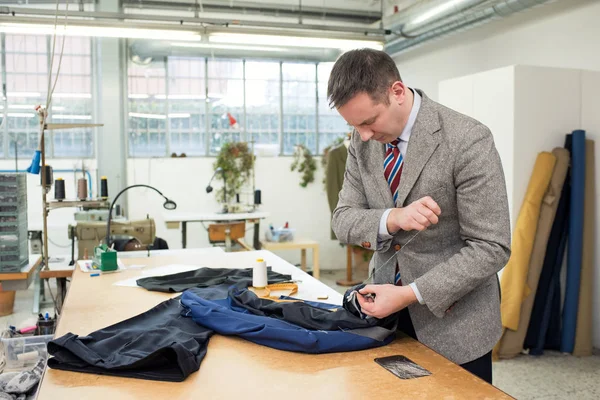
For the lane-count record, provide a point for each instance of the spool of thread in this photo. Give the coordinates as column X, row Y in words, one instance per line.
column 29, row 356
column 47, row 175
column 59, row 189
column 259, row 274
column 257, row 196
column 103, row 187
column 82, row 189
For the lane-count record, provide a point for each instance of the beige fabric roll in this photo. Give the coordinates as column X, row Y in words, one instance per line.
column 511, row 342
column 583, row 334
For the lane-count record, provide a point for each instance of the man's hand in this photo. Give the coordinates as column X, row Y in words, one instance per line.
column 388, row 299
column 417, row 215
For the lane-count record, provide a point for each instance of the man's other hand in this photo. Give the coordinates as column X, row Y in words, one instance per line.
column 418, row 215
column 388, row 299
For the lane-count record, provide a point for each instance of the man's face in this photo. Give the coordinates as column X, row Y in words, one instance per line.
column 376, row 120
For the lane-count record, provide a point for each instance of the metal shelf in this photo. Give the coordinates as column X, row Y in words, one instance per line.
column 78, row 203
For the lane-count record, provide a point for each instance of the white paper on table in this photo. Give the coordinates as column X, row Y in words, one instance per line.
column 160, row 271
column 131, row 282
column 134, row 266
column 170, row 269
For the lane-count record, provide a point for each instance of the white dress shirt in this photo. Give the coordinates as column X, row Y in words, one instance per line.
column 402, row 146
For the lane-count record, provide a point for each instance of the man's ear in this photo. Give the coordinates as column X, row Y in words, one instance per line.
column 398, row 91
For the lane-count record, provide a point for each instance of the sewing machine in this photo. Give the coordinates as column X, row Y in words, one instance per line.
column 127, row 235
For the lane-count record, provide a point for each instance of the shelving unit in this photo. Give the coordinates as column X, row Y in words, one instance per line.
column 47, row 206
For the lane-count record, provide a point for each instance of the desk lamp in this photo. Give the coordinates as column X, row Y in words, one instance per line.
column 168, row 204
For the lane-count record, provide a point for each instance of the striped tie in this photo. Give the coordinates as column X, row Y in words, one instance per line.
column 392, row 169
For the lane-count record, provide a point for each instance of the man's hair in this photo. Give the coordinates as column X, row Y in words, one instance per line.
column 363, row 70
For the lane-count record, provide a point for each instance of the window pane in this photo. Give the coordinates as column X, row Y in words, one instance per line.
column 27, row 61
column 299, row 106
column 187, row 102
column 331, row 125
column 262, row 101
column 225, row 102
column 147, row 99
column 72, row 99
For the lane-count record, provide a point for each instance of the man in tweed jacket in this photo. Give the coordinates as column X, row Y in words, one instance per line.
column 451, row 193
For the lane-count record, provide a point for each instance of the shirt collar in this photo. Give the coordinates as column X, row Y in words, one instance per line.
column 412, row 117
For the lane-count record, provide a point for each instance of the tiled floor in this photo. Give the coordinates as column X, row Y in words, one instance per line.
column 553, row 376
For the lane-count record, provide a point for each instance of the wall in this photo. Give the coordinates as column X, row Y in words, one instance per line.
column 561, row 34
column 185, row 180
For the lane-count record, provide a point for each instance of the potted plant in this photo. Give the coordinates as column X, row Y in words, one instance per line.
column 237, row 162
column 305, row 164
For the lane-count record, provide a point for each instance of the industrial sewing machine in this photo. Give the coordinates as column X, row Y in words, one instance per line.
column 127, row 235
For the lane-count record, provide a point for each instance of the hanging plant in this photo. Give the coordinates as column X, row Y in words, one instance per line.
column 237, row 162
column 305, row 164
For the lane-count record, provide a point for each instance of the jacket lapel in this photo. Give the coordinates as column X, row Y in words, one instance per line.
column 421, row 145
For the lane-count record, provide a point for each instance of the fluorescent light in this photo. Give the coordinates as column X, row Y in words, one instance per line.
column 72, row 95
column 58, row 108
column 138, row 96
column 100, row 31
column 63, row 116
column 179, row 115
column 21, row 115
column 435, row 11
column 294, row 41
column 148, row 116
column 23, row 94
column 231, row 46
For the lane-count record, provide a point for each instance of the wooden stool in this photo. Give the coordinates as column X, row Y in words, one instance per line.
column 349, row 281
column 226, row 232
column 303, row 245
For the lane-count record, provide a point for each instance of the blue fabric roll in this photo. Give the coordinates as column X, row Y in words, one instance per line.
column 575, row 244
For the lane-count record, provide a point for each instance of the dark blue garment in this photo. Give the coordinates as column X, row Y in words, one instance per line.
column 237, row 316
column 575, row 243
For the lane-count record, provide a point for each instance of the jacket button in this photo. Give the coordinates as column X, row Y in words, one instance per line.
column 367, row 245
column 397, row 247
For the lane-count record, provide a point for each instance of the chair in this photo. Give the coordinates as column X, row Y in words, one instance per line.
column 227, row 232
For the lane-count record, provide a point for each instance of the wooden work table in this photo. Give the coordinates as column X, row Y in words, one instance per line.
column 235, row 368
column 21, row 280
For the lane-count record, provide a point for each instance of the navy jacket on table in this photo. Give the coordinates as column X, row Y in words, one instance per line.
column 169, row 341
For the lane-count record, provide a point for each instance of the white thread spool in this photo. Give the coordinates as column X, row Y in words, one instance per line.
column 259, row 274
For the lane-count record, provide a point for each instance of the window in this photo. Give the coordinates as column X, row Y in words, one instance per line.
column 27, row 61
column 147, row 109
column 187, row 105
column 26, row 86
column 299, row 107
column 225, row 102
column 331, row 125
column 194, row 105
column 263, row 101
column 72, row 98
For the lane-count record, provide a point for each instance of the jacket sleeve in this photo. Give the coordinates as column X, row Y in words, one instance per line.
column 353, row 221
column 484, row 224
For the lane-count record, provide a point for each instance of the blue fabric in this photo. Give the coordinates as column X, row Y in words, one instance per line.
column 224, row 317
column 325, row 306
column 575, row 244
